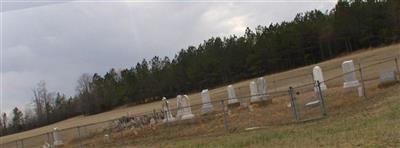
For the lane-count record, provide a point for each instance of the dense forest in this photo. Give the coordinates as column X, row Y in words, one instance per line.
column 310, row 37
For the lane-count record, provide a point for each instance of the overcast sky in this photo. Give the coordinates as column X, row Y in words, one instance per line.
column 57, row 42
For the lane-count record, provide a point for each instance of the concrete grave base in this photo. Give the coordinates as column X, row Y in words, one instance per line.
column 187, row 116
column 188, row 121
column 169, row 120
column 262, row 102
column 352, row 91
column 388, row 84
column 351, row 84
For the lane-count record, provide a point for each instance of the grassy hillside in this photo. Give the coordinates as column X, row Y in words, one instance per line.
column 285, row 134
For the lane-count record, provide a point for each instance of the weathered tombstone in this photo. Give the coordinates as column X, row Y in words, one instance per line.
column 57, row 138
column 152, row 121
column 251, row 108
column 167, row 113
column 46, row 145
column 106, row 138
column 318, row 76
column 179, row 107
column 387, row 78
column 232, row 100
column 350, row 79
column 207, row 106
column 184, row 106
column 254, row 93
column 262, row 89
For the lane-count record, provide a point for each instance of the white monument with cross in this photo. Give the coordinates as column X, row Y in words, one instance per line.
column 232, row 99
column 207, row 106
column 184, row 110
column 57, row 138
column 167, row 113
column 318, row 76
column 350, row 79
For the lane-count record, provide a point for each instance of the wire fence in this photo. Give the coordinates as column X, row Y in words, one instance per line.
column 288, row 100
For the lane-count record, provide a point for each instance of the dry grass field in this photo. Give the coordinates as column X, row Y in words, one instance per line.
column 287, row 134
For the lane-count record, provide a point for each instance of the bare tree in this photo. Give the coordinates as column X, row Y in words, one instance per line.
column 43, row 101
column 4, row 123
column 1, row 127
column 84, row 83
column 84, row 90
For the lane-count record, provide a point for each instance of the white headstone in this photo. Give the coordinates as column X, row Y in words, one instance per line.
column 262, row 88
column 185, row 109
column 167, row 113
column 318, row 76
column 231, row 95
column 207, row 105
column 350, row 79
column 57, row 138
column 254, row 92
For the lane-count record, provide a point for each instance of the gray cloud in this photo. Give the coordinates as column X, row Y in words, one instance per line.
column 58, row 42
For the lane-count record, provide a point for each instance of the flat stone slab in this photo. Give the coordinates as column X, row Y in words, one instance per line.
column 388, row 77
column 313, row 103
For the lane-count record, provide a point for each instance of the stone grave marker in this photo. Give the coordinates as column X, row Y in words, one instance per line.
column 262, row 89
column 232, row 100
column 184, row 109
column 387, row 78
column 57, row 138
column 350, row 79
column 46, row 145
column 254, row 92
column 179, row 107
column 318, row 76
column 106, row 138
column 167, row 113
column 207, row 106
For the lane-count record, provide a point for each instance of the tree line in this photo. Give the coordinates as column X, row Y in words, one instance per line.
column 309, row 38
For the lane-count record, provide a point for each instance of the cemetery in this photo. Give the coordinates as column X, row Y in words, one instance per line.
column 313, row 93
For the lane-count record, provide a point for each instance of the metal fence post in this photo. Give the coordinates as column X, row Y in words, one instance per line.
column 362, row 81
column 293, row 103
column 79, row 136
column 321, row 99
column 397, row 66
column 225, row 115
